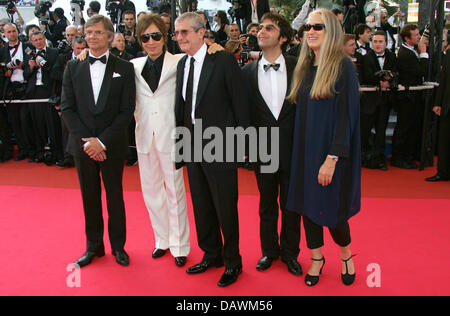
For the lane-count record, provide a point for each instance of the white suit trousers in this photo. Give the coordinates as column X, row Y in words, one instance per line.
column 165, row 197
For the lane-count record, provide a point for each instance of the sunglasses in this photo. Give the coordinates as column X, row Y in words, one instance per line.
column 316, row 27
column 155, row 36
column 268, row 27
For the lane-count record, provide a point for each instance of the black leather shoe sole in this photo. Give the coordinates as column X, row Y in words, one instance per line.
column 180, row 261
column 121, row 258
column 204, row 266
column 158, row 253
column 87, row 258
column 264, row 263
column 229, row 277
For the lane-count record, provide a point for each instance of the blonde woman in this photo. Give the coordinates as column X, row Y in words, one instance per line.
column 325, row 185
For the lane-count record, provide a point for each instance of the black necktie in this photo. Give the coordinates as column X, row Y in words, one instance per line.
column 101, row 59
column 274, row 66
column 189, row 94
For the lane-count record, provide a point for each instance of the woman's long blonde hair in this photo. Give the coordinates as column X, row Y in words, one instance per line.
column 331, row 56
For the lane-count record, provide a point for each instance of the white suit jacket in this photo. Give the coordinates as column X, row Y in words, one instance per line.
column 155, row 112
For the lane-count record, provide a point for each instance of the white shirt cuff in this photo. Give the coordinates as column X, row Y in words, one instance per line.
column 424, row 55
column 87, row 144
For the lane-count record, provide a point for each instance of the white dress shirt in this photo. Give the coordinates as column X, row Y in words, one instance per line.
column 381, row 60
column 273, row 84
column 199, row 58
column 97, row 70
column 17, row 75
column 411, row 48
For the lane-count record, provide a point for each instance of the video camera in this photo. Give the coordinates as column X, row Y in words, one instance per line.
column 37, row 57
column 10, row 6
column 112, row 7
column 42, row 11
column 389, row 76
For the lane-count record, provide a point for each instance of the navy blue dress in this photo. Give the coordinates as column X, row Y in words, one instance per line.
column 327, row 127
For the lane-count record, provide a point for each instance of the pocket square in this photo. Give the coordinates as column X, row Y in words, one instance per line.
column 116, row 75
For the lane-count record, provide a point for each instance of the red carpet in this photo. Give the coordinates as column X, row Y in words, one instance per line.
column 41, row 227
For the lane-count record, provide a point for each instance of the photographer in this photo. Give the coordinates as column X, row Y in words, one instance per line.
column 128, row 29
column 56, row 33
column 46, row 122
column 412, row 66
column 94, row 8
column 376, row 106
column 118, row 47
column 253, row 10
column 124, row 6
column 78, row 44
column 14, row 86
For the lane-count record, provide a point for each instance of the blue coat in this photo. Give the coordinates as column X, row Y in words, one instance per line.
column 327, row 127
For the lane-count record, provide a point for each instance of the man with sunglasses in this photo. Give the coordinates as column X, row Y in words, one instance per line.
column 269, row 79
column 211, row 93
column 98, row 102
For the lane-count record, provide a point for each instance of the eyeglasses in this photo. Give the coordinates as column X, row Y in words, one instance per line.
column 268, row 27
column 94, row 33
column 316, row 27
column 156, row 36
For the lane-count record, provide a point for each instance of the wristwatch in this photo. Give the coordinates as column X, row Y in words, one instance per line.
column 335, row 158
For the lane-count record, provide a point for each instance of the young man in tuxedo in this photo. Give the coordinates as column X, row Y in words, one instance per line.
column 210, row 93
column 412, row 63
column 269, row 80
column 98, row 102
column 442, row 109
column 376, row 106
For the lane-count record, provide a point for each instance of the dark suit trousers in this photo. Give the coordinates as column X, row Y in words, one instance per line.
column 271, row 186
column 215, row 198
column 408, row 130
column 378, row 120
column 444, row 146
column 20, row 118
column 39, row 114
column 314, row 234
column 111, row 171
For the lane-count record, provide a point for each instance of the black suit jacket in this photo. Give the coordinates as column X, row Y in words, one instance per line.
column 262, row 7
column 57, row 33
column 261, row 116
column 47, row 80
column 443, row 92
column 110, row 118
column 221, row 99
column 411, row 69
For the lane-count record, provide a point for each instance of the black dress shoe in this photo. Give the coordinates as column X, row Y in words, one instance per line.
column 205, row 265
column 264, row 263
column 180, row 261
column 21, row 157
column 294, row 267
column 122, row 257
column 437, row 178
column 158, row 253
column 230, row 276
column 87, row 258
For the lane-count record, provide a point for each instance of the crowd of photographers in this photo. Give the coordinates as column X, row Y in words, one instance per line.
column 32, row 63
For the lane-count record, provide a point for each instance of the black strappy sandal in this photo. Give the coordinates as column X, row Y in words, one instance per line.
column 311, row 280
column 347, row 278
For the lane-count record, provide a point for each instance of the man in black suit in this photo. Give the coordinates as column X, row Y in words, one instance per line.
column 253, row 10
column 98, row 103
column 412, row 63
column 210, row 94
column 15, row 85
column 40, row 85
column 268, row 110
column 442, row 109
column 56, row 34
column 376, row 106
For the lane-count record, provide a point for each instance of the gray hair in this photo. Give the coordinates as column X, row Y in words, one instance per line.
column 79, row 40
column 196, row 20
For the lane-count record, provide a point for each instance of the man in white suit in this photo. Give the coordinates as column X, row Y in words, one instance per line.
column 162, row 185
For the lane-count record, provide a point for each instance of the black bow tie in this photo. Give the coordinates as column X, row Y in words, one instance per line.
column 13, row 47
column 380, row 56
column 101, row 59
column 274, row 66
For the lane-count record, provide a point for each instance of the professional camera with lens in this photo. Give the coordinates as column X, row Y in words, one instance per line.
column 37, row 57
column 252, row 42
column 389, row 76
column 112, row 7
column 10, row 6
column 42, row 11
column 235, row 10
column 64, row 47
column 4, row 67
column 124, row 31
